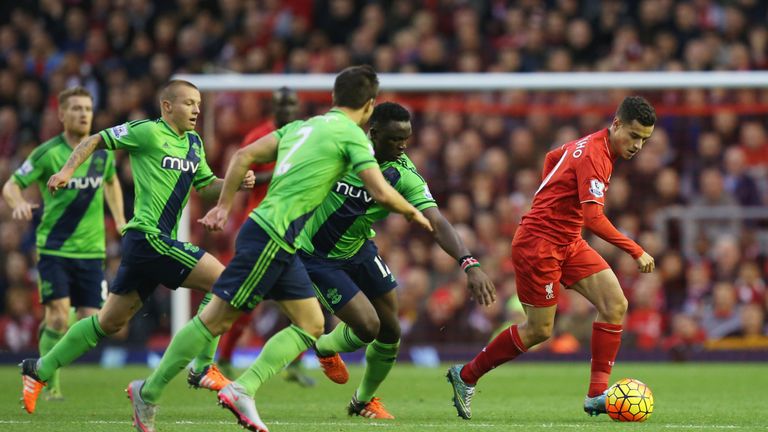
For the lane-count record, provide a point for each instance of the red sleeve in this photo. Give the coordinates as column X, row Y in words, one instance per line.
column 592, row 174
column 595, row 221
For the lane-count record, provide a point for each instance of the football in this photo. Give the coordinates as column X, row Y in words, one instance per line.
column 629, row 400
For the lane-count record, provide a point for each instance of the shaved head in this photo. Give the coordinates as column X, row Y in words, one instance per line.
column 168, row 92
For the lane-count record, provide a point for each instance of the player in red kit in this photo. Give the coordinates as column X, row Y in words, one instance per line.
column 548, row 250
column 285, row 105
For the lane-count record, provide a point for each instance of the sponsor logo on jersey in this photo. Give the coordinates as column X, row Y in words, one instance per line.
column 347, row 189
column 25, row 168
column 120, row 131
column 549, row 288
column 81, row 183
column 179, row 164
column 597, row 188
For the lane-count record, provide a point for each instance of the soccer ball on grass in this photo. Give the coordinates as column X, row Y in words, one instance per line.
column 629, row 400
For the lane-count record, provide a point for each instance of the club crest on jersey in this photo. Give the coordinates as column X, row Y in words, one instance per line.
column 120, row 131
column 347, row 189
column 81, row 183
column 597, row 188
column 178, row 164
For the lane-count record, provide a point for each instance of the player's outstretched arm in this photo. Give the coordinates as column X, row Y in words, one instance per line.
column 22, row 209
column 113, row 194
column 596, row 221
column 213, row 190
column 78, row 156
column 391, row 199
column 478, row 283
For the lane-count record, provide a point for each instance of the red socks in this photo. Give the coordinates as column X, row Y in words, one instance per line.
column 229, row 339
column 503, row 348
column 606, row 339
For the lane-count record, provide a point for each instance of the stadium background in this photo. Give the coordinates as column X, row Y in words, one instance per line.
column 480, row 152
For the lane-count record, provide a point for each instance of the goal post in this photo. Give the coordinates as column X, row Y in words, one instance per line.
column 209, row 84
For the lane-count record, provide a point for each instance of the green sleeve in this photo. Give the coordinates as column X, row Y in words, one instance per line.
column 204, row 176
column 111, row 169
column 280, row 133
column 359, row 151
column 128, row 136
column 415, row 190
column 32, row 169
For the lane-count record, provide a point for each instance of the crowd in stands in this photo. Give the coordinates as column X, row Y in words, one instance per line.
column 480, row 153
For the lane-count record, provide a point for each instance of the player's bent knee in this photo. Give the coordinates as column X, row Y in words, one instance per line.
column 368, row 329
column 111, row 324
column 57, row 322
column 614, row 311
column 539, row 334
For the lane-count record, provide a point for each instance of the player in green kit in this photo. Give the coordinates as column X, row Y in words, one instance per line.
column 350, row 277
column 311, row 156
column 70, row 237
column 167, row 160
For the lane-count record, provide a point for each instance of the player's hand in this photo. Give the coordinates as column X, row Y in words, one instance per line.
column 215, row 219
column 119, row 227
column 23, row 211
column 481, row 286
column 58, row 181
column 249, row 180
column 645, row 263
column 419, row 219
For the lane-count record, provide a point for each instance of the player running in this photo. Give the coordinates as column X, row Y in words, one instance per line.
column 285, row 104
column 311, row 156
column 70, row 236
column 350, row 277
column 548, row 249
column 167, row 160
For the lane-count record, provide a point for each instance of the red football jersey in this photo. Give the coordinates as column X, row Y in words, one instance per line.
column 577, row 172
column 259, row 190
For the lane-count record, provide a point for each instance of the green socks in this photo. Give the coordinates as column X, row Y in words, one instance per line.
column 183, row 348
column 206, row 356
column 341, row 339
column 380, row 358
column 48, row 338
column 80, row 338
column 279, row 350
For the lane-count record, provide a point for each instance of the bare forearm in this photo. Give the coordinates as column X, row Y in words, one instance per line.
column 81, row 152
column 232, row 180
column 12, row 194
column 213, row 190
column 447, row 237
column 113, row 193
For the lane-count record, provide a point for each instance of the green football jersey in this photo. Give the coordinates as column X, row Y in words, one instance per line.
column 72, row 225
column 311, row 156
column 165, row 167
column 344, row 220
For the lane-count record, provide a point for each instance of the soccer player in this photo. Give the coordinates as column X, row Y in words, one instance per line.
column 350, row 277
column 167, row 159
column 70, row 237
column 311, row 156
column 548, row 249
column 285, row 105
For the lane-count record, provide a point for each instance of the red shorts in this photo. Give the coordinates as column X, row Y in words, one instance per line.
column 541, row 265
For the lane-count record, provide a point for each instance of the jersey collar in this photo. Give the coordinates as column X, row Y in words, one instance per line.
column 170, row 129
column 606, row 139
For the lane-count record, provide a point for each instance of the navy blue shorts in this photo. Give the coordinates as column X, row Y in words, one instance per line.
column 82, row 280
column 336, row 281
column 261, row 269
column 153, row 259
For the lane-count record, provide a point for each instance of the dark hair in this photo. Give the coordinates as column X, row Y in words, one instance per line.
column 355, row 86
column 636, row 108
column 386, row 112
column 168, row 90
column 73, row 91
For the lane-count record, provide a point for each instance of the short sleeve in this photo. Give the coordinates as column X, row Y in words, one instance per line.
column 359, row 151
column 592, row 177
column 128, row 136
column 32, row 169
column 415, row 190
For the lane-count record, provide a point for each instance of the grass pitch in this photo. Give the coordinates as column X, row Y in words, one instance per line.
column 522, row 396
